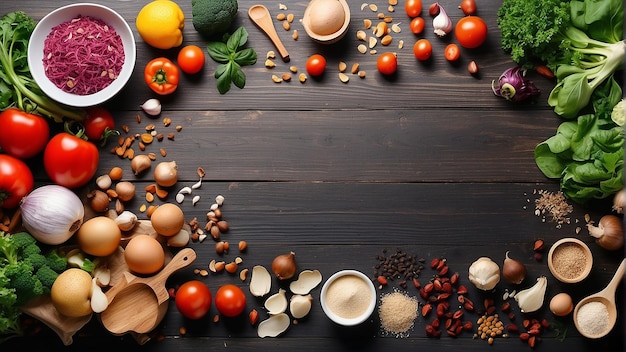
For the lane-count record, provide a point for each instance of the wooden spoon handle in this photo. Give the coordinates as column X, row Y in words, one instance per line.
column 615, row 281
column 182, row 259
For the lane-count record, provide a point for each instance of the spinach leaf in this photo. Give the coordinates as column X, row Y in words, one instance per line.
column 231, row 57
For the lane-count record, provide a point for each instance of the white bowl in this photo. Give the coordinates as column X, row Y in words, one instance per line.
column 66, row 13
column 364, row 287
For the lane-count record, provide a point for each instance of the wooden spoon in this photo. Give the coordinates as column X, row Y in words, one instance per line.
column 606, row 297
column 139, row 303
column 260, row 15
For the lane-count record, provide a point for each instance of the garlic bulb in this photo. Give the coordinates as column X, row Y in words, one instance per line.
column 52, row 214
column 531, row 299
column 152, row 107
column 484, row 273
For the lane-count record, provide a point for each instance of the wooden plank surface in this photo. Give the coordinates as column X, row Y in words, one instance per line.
column 429, row 161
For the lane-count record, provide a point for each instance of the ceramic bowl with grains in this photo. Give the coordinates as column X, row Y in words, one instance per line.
column 348, row 297
column 570, row 260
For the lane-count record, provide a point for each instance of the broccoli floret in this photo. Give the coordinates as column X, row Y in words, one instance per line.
column 23, row 240
column 55, row 261
column 36, row 260
column 27, row 286
column 212, row 18
column 46, row 276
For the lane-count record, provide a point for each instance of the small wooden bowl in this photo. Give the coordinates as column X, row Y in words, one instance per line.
column 329, row 38
column 553, row 265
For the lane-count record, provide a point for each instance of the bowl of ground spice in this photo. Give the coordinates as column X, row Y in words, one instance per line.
column 570, row 260
column 82, row 54
column 348, row 297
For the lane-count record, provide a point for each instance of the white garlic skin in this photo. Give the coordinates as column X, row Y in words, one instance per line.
column 484, row 273
column 152, row 107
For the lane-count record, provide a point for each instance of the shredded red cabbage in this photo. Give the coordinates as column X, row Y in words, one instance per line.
column 83, row 56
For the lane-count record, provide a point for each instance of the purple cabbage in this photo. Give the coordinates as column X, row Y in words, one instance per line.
column 513, row 85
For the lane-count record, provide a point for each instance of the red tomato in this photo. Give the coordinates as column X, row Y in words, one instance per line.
column 22, row 135
column 191, row 59
column 193, row 299
column 413, row 8
column 468, row 7
column 422, row 49
column 316, row 65
column 471, row 32
column 16, row 181
column 230, row 300
column 452, row 52
column 99, row 124
column 69, row 160
column 387, row 63
column 417, row 25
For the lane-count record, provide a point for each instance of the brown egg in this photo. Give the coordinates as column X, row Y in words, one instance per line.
column 168, row 219
column 561, row 304
column 326, row 16
column 144, row 255
column 99, row 236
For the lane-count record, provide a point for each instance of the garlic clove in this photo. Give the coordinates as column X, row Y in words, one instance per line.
column 99, row 301
column 152, row 107
column 307, row 280
column 300, row 305
column 442, row 24
column 277, row 303
column 126, row 221
column 181, row 239
column 531, row 299
column 274, row 325
column 260, row 282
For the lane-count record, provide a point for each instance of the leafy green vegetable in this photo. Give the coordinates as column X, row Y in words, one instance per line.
column 231, row 57
column 587, row 155
column 25, row 273
column 580, row 40
column 17, row 86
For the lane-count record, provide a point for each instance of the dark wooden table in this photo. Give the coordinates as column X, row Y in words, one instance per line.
column 428, row 161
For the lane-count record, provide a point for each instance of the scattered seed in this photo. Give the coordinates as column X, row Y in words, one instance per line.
column 343, row 77
column 286, row 77
column 372, row 42
column 290, row 17
column 276, row 79
column 391, row 8
column 355, row 68
column 179, row 198
column 361, row 35
column 373, row 7
column 179, row 128
column 243, row 274
column 386, row 40
column 269, row 63
column 295, row 34
column 362, row 48
column 282, row 7
column 367, row 23
column 281, row 16
column 167, row 121
column 195, row 200
column 142, row 208
column 293, row 69
column 302, row 77
column 396, row 28
column 270, row 55
column 363, row 6
column 362, row 74
column 401, row 44
column 286, row 25
column 342, row 66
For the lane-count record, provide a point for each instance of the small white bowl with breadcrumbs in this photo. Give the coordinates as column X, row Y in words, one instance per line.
column 82, row 54
column 348, row 297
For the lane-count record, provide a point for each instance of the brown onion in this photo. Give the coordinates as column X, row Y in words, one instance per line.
column 284, row 266
column 513, row 271
column 609, row 233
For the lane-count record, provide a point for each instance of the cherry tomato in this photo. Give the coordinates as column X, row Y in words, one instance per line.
column 387, row 63
column 16, row 181
column 99, row 124
column 70, row 161
column 316, row 65
column 413, row 8
column 193, row 299
column 230, row 300
column 22, row 134
column 468, row 7
column 417, row 25
column 452, row 52
column 191, row 59
column 471, row 32
column 422, row 49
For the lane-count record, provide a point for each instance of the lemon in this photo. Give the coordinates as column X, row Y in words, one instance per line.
column 160, row 24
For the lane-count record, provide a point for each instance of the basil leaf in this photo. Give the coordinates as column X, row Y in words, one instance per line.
column 245, row 57
column 238, row 76
column 223, row 81
column 237, row 39
column 218, row 51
